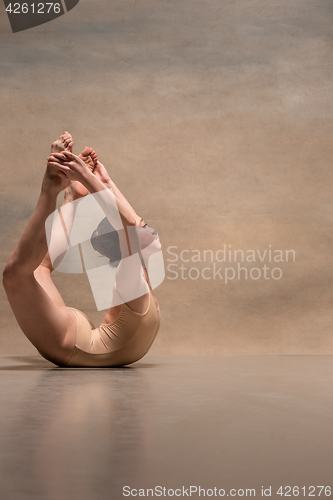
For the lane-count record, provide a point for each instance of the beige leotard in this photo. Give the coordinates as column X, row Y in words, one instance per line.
column 122, row 342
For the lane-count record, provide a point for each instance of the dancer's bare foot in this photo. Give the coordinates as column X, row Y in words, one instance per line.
column 77, row 190
column 64, row 143
column 89, row 157
column 53, row 179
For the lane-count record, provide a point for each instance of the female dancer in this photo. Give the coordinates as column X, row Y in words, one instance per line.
column 65, row 335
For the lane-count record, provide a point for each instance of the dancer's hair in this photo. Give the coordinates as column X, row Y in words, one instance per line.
column 105, row 240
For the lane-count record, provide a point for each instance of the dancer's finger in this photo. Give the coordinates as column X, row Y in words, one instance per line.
column 60, row 162
column 54, row 158
column 59, row 155
column 51, row 163
column 57, row 166
column 68, row 164
column 70, row 155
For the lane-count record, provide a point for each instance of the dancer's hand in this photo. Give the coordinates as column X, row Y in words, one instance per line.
column 101, row 173
column 54, row 180
column 69, row 164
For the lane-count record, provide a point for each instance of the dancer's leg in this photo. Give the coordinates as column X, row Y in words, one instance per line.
column 51, row 328
column 73, row 193
column 44, row 270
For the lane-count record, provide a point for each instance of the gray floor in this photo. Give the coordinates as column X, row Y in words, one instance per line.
column 170, row 421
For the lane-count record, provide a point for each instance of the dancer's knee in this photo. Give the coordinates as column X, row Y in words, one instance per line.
column 12, row 273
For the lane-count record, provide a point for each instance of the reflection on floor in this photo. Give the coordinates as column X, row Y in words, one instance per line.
column 171, row 421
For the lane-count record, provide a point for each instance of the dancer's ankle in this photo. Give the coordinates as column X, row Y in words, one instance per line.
column 50, row 189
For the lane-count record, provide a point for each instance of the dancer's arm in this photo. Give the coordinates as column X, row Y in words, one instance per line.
column 101, row 172
column 130, row 281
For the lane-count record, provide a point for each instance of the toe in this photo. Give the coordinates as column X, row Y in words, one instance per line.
column 86, row 151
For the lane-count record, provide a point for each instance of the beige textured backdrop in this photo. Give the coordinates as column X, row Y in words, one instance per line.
column 215, row 119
